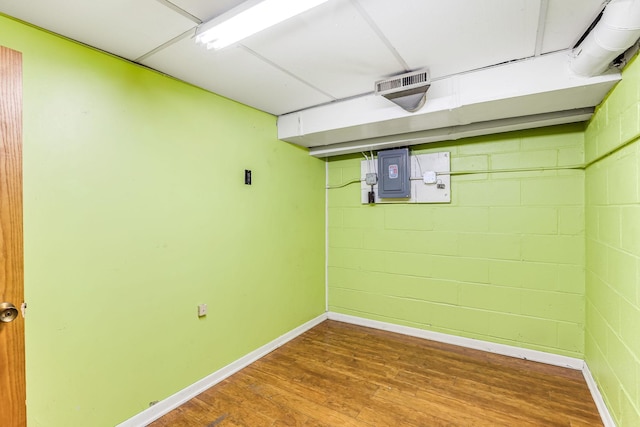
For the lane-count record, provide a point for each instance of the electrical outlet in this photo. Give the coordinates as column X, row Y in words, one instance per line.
column 202, row 310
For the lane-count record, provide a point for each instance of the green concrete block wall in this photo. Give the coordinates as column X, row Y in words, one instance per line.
column 613, row 248
column 504, row 262
column 135, row 211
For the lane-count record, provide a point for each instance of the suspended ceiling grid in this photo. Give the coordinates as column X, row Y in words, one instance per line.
column 335, row 51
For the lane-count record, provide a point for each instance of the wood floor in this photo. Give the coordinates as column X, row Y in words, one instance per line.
column 343, row 375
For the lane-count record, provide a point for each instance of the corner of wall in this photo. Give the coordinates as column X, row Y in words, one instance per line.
column 612, row 216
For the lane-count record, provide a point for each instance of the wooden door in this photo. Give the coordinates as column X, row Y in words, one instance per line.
column 12, row 370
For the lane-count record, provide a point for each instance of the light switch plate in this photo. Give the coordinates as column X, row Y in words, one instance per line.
column 202, row 310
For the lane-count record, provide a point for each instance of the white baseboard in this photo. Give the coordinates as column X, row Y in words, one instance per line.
column 503, row 349
column 170, row 403
column 607, row 419
column 165, row 406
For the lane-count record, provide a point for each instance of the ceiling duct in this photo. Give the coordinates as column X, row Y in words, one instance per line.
column 409, row 90
column 460, row 106
column 617, row 30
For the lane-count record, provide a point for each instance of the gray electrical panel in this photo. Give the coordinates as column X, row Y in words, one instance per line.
column 393, row 174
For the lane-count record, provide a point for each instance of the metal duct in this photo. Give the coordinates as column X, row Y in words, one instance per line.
column 474, row 98
column 618, row 30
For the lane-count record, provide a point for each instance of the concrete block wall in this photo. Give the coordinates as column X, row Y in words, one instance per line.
column 613, row 248
column 504, row 262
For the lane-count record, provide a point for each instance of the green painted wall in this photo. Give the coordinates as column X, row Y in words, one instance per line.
column 504, row 262
column 135, row 212
column 613, row 248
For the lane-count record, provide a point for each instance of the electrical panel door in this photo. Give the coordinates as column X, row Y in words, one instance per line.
column 393, row 174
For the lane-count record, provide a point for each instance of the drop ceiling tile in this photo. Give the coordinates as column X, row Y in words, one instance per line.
column 123, row 27
column 206, row 9
column 332, row 47
column 566, row 22
column 333, row 51
column 454, row 36
column 237, row 74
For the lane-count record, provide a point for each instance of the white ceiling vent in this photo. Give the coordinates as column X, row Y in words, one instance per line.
column 406, row 90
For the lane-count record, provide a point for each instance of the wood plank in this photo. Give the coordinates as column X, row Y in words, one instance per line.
column 341, row 374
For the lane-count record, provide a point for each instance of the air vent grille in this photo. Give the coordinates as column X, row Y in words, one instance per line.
column 404, row 81
column 409, row 90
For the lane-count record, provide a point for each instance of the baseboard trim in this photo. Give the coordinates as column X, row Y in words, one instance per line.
column 170, row 403
column 503, row 349
column 605, row 415
column 167, row 405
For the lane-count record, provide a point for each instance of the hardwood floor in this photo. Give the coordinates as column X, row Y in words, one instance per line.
column 344, row 375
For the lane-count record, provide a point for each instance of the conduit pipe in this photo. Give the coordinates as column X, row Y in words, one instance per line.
column 617, row 31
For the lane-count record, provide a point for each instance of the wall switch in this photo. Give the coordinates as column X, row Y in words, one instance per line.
column 247, row 176
column 202, row 310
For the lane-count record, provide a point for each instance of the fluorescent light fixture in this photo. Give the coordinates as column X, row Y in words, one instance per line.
column 248, row 19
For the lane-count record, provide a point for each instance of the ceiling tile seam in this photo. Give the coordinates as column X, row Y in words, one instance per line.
column 542, row 22
column 287, row 72
column 181, row 11
column 488, row 67
column 381, row 35
column 594, row 22
column 189, row 33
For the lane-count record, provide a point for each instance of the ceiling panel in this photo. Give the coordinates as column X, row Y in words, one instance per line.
column 335, row 51
column 566, row 21
column 332, row 47
column 237, row 74
column 206, row 10
column 123, row 27
column 454, row 36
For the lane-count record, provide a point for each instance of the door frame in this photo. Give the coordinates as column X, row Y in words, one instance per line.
column 12, row 345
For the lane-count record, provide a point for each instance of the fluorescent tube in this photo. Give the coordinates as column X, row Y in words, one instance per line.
column 221, row 32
